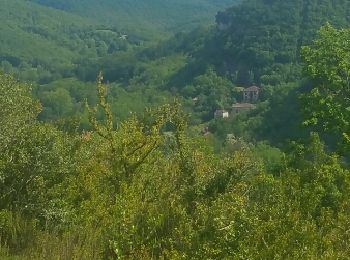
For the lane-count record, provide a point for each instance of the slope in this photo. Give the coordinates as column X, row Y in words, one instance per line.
column 40, row 42
column 26, row 30
column 254, row 42
column 155, row 15
column 257, row 35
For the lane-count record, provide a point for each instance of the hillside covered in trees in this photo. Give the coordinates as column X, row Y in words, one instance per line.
column 137, row 164
column 255, row 42
column 30, row 32
column 137, row 15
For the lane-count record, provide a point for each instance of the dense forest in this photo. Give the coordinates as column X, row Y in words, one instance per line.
column 127, row 135
column 137, row 15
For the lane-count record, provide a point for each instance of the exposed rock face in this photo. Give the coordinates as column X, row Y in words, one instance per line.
column 255, row 35
column 223, row 21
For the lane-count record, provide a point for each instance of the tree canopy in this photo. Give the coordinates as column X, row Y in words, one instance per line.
column 134, row 165
column 327, row 63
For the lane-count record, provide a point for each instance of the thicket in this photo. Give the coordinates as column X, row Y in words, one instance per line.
column 143, row 188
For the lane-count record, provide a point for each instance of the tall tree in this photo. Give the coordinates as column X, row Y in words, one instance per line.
column 327, row 63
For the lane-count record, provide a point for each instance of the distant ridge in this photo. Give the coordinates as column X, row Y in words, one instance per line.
column 157, row 14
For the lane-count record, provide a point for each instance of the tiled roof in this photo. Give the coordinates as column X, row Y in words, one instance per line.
column 252, row 88
column 243, row 105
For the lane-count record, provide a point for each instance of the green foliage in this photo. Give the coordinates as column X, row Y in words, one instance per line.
column 255, row 42
column 34, row 158
column 263, row 34
column 41, row 44
column 17, row 108
column 326, row 105
column 135, row 15
column 103, row 180
column 143, row 188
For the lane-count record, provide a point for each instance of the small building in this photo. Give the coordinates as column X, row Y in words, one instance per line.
column 240, row 107
column 221, row 114
column 251, row 94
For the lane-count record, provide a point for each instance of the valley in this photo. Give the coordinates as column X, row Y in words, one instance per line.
column 174, row 129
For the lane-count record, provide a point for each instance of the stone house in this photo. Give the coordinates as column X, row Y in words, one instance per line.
column 240, row 107
column 251, row 94
column 221, row 114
